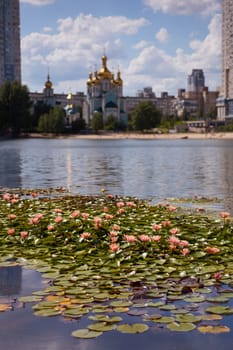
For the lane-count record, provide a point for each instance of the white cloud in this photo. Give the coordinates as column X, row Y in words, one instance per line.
column 162, row 71
column 185, row 7
column 141, row 44
column 78, row 44
column 38, row 2
column 162, row 35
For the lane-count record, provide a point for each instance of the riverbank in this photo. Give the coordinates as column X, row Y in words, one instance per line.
column 144, row 136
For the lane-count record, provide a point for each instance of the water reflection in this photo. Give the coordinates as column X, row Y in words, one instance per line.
column 146, row 169
column 10, row 167
column 10, row 280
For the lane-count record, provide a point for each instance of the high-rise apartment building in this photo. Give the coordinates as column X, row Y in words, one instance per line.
column 10, row 58
column 196, row 81
column 225, row 100
column 227, row 48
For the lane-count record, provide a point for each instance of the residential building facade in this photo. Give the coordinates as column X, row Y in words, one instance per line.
column 10, row 57
column 196, row 81
column 225, row 101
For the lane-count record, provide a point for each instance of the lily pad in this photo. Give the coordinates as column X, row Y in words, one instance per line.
column 101, row 327
column 133, row 328
column 181, row 327
column 214, row 329
column 5, row 307
column 221, row 310
column 86, row 334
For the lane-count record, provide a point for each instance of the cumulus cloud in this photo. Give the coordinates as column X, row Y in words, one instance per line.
column 162, row 35
column 76, row 44
column 185, row 7
column 76, row 47
column 38, row 2
column 163, row 71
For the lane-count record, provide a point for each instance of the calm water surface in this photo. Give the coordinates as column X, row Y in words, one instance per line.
column 149, row 169
column 142, row 168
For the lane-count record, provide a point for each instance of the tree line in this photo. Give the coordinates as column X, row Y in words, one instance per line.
column 18, row 114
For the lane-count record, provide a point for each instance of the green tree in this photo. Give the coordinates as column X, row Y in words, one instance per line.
column 212, row 114
column 111, row 123
column 53, row 122
column 78, row 125
column 15, row 107
column 145, row 116
column 97, row 121
column 39, row 109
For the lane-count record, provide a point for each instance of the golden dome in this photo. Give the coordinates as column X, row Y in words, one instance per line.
column 104, row 72
column 90, row 79
column 96, row 80
column 118, row 80
column 48, row 83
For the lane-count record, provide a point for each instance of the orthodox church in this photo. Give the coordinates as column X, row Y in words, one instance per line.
column 105, row 94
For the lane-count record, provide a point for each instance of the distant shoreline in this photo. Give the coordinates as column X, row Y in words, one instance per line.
column 138, row 136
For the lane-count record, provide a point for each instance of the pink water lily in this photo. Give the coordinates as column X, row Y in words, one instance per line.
column 174, row 231
column 6, row 197
column 23, row 234
column 185, row 251
column 157, row 227
column 75, row 214
column 58, row 219
column 85, row 235
column 166, row 223
column 11, row 231
column 156, row 238
column 97, row 222
column 212, row 250
column 11, row 216
column 114, row 247
column 144, row 238
column 130, row 238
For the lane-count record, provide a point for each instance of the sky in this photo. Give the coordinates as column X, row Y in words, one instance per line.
column 154, row 43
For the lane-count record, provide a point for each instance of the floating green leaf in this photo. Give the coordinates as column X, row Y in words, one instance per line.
column 181, row 327
column 133, row 328
column 221, row 310
column 214, row 329
column 86, row 334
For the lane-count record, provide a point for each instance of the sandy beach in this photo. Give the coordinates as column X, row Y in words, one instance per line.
column 138, row 136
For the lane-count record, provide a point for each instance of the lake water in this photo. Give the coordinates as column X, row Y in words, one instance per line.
column 149, row 169
column 143, row 168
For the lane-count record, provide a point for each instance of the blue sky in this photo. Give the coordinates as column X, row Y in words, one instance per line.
column 155, row 43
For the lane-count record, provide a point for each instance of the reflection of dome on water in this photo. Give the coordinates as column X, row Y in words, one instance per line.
column 10, row 280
